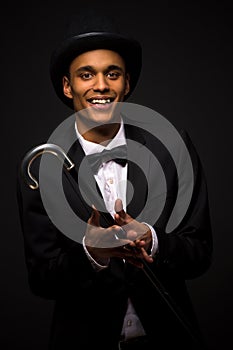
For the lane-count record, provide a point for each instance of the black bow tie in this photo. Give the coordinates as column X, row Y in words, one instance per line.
column 117, row 154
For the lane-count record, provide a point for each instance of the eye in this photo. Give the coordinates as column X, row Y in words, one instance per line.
column 86, row 76
column 113, row 75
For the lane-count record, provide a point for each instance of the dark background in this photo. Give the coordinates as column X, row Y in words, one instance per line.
column 186, row 77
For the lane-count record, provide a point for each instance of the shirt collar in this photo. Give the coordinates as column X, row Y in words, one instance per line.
column 92, row 147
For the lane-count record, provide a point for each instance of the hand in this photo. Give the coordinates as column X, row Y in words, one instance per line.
column 134, row 230
column 102, row 243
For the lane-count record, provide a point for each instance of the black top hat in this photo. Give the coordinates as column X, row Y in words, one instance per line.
column 90, row 31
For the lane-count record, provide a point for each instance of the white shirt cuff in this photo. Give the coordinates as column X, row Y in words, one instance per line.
column 154, row 247
column 94, row 263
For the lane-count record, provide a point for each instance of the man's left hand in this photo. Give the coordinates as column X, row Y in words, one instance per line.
column 135, row 230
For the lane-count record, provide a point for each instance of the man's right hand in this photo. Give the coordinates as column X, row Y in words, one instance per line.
column 102, row 243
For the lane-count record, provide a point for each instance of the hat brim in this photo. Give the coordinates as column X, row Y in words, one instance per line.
column 128, row 48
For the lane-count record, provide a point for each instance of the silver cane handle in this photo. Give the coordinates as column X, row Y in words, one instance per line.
column 38, row 151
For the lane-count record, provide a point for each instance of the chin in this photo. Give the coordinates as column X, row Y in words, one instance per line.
column 99, row 115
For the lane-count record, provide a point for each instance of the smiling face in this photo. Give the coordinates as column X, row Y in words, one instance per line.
column 97, row 79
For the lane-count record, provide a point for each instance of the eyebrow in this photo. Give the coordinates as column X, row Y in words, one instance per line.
column 92, row 69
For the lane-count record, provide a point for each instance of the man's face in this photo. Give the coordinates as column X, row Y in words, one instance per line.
column 97, row 79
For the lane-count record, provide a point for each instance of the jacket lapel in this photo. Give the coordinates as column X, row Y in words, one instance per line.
column 82, row 187
column 138, row 165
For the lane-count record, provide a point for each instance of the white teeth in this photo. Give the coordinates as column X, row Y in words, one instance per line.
column 101, row 101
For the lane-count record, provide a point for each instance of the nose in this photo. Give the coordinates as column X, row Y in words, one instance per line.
column 101, row 83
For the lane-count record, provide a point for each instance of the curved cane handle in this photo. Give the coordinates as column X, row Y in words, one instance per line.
column 36, row 152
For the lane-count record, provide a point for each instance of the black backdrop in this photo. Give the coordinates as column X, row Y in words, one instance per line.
column 186, row 77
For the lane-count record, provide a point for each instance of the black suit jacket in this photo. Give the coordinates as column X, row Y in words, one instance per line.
column 89, row 305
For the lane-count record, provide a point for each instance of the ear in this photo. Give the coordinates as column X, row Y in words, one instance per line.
column 127, row 85
column 67, row 87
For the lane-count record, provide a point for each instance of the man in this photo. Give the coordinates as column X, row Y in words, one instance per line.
column 122, row 284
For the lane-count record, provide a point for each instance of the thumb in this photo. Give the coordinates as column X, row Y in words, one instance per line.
column 94, row 219
column 119, row 208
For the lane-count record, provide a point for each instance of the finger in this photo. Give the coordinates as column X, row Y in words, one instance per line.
column 119, row 220
column 119, row 208
column 114, row 233
column 148, row 258
column 118, row 205
column 122, row 218
column 139, row 243
column 94, row 219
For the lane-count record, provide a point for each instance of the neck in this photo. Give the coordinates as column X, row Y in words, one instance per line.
column 99, row 134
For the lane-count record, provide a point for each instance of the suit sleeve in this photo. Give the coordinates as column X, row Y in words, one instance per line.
column 186, row 251
column 56, row 265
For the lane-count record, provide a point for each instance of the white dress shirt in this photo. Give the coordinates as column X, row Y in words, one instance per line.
column 112, row 181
